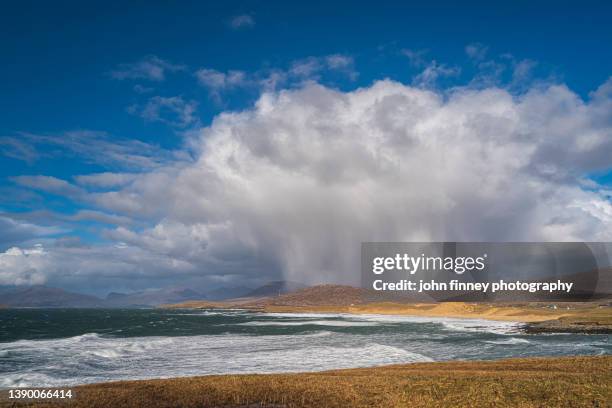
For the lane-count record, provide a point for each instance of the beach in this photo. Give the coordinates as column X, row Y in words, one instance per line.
column 562, row 317
column 551, row 316
column 360, row 355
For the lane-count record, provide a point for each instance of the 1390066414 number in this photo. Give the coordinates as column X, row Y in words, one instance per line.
column 34, row 393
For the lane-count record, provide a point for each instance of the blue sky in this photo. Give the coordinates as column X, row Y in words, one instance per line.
column 126, row 89
column 55, row 57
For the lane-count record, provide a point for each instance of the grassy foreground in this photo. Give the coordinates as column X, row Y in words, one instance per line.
column 529, row 382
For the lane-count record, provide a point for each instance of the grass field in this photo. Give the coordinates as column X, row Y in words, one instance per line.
column 533, row 382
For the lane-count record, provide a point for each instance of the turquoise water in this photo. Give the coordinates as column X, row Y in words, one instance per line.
column 60, row 347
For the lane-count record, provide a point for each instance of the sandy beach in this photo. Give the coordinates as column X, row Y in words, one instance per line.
column 591, row 316
column 449, row 309
column 538, row 318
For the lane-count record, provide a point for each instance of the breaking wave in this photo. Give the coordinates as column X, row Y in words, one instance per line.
column 222, row 342
column 510, row 341
column 93, row 358
column 337, row 323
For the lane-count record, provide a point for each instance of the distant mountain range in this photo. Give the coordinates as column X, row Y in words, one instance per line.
column 278, row 293
column 43, row 296
column 319, row 295
column 151, row 297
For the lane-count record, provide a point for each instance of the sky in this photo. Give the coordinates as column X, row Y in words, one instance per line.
column 202, row 144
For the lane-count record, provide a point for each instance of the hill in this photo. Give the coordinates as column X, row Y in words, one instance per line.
column 154, row 297
column 321, row 295
column 274, row 289
column 43, row 296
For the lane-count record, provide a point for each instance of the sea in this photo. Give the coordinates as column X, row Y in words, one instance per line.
column 66, row 347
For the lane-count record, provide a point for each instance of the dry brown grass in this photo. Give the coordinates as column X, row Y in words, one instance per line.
column 533, row 382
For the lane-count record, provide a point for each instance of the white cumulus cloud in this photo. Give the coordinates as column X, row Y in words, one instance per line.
column 293, row 185
column 23, row 266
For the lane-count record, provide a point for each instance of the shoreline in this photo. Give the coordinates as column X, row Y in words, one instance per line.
column 420, row 310
column 531, row 321
column 568, row 317
column 529, row 382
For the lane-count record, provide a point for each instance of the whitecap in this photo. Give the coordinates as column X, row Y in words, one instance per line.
column 306, row 315
column 510, row 341
column 489, row 326
column 24, row 380
column 338, row 323
column 322, row 333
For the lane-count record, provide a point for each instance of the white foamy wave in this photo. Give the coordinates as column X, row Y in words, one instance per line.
column 202, row 313
column 393, row 318
column 338, row 323
column 81, row 349
column 306, row 315
column 510, row 341
column 452, row 324
column 602, row 343
column 363, row 356
column 211, row 313
column 126, row 347
column 23, row 380
column 38, row 342
column 318, row 358
column 69, row 362
column 477, row 325
column 94, row 357
column 86, row 337
column 105, row 353
column 322, row 333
